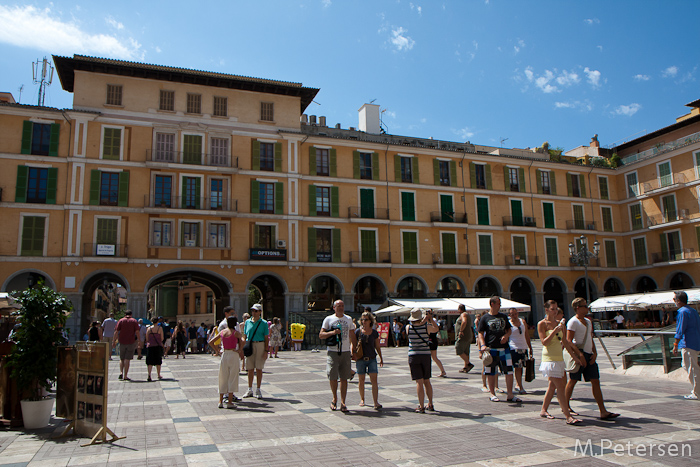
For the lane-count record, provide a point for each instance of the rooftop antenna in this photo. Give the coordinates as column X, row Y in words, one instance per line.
column 382, row 126
column 503, row 140
column 21, row 88
column 42, row 73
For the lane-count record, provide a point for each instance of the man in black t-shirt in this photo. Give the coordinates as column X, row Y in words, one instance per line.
column 494, row 331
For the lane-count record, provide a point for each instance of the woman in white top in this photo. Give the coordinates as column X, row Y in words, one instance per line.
column 519, row 345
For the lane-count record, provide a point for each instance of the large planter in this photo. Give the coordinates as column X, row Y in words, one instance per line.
column 36, row 414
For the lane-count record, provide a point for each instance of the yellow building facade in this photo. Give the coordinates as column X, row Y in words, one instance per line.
column 166, row 179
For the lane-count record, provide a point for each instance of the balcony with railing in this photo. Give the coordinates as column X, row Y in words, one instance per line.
column 191, row 202
column 105, row 250
column 518, row 260
column 667, row 182
column 448, row 216
column 370, row 257
column 666, row 217
column 519, row 221
column 580, row 224
column 442, row 258
column 662, row 148
column 186, row 157
column 361, row 212
column 674, row 255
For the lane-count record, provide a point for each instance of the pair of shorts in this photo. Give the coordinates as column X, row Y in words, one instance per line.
column 338, row 367
column 501, row 358
column 462, row 346
column 433, row 342
column 419, row 366
column 257, row 360
column 518, row 357
column 365, row 367
column 589, row 372
column 126, row 351
column 553, row 369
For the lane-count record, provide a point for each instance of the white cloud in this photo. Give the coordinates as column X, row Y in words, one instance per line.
column 326, row 3
column 476, row 45
column 580, row 105
column 593, row 77
column 400, row 40
column 591, row 21
column 464, row 133
column 520, row 44
column 29, row 27
column 552, row 81
column 628, row 110
column 567, row 79
column 600, row 47
column 114, row 23
column 642, row 77
column 417, row 8
column 670, row 72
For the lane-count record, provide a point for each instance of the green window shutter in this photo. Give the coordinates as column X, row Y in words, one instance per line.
column 569, row 188
column 640, row 252
column 506, row 178
column 123, row 199
column 487, row 170
column 516, row 210
column 27, row 128
column 610, row 254
column 182, row 234
column 410, row 248
column 368, row 245
column 21, row 188
column 446, row 209
column 53, row 142
column 552, row 256
column 51, row 185
column 582, row 185
column 664, row 247
column 111, row 143
column 356, row 164
column 256, row 155
column 312, row 160
column 256, row 236
column 548, row 214
column 521, row 180
column 192, row 153
column 375, row 166
column 312, row 244
column 472, row 174
column 449, row 249
column 95, row 187
column 279, row 198
column 607, row 219
column 254, row 196
column 106, row 231
column 697, row 234
column 183, row 195
column 603, row 184
column 366, row 203
column 519, row 247
column 436, row 171
column 33, row 236
column 485, row 252
column 636, row 215
column 538, row 176
column 335, row 202
column 408, row 207
column 278, row 157
column 453, row 173
column 414, row 170
column 336, row 246
column 198, row 194
column 312, row 200
column 482, row 211
column 273, row 236
column 334, row 167
column 552, row 183
column 397, row 168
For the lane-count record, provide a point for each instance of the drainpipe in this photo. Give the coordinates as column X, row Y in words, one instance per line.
column 464, row 205
column 386, row 170
column 532, row 205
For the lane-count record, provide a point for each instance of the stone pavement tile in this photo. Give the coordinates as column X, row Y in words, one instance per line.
column 208, row 459
column 581, row 462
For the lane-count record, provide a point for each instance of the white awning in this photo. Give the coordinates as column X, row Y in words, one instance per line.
column 446, row 306
column 641, row 301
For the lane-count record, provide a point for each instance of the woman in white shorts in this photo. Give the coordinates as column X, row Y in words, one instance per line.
column 553, row 338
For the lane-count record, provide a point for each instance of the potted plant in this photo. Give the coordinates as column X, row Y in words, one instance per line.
column 33, row 360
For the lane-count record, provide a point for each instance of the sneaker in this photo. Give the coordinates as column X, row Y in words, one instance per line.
column 235, row 399
column 221, row 405
column 230, row 406
column 690, row 397
column 248, row 393
column 225, row 398
column 258, row 394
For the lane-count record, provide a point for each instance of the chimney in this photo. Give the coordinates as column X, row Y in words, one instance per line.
column 304, row 119
column 369, row 119
column 322, row 120
column 594, row 141
column 312, row 119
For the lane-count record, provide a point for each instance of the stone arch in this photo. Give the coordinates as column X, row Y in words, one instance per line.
column 483, row 289
column 580, row 288
column 19, row 280
column 440, row 290
column 678, row 280
column 644, row 283
column 274, row 291
column 365, row 290
column 613, row 286
column 411, row 291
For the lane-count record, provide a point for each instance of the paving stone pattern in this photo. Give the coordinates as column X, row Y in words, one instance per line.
column 176, row 421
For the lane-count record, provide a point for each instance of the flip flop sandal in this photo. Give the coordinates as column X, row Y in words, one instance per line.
column 464, row 370
column 343, row 408
column 547, row 415
column 334, row 406
column 575, row 414
column 494, row 399
column 431, row 408
column 420, row 410
column 378, row 407
column 610, row 416
column 362, row 404
column 575, row 421
column 514, row 399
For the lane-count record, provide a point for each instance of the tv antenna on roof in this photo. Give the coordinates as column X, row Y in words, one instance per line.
column 503, row 140
column 42, row 73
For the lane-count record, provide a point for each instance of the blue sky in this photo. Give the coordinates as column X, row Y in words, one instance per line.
column 557, row 71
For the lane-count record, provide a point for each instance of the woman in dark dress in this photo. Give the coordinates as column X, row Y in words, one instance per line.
column 180, row 339
column 434, row 342
column 154, row 348
column 95, row 333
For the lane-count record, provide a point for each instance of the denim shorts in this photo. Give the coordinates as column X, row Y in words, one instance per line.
column 367, row 366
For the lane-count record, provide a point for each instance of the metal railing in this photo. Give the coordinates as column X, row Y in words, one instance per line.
column 441, row 258
column 667, row 181
column 448, row 216
column 520, row 221
column 355, row 212
column 518, row 260
column 674, row 255
column 186, row 157
column 197, row 202
column 662, row 148
column 666, row 217
column 115, row 250
column 370, row 257
column 577, row 224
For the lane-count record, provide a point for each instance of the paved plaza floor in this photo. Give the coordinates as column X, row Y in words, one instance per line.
column 176, row 421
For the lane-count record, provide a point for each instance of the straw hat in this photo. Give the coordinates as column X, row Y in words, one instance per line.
column 257, row 307
column 417, row 314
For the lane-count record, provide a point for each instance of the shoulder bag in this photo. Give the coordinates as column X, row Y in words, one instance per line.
column 248, row 346
column 359, row 353
column 572, row 366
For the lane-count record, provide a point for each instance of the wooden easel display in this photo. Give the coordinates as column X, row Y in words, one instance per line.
column 90, row 409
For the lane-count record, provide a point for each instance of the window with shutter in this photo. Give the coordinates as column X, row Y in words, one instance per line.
column 106, row 231
column 640, row 251
column 267, row 156
column 482, row 211
column 366, row 203
column 192, row 149
column 166, row 100
column 324, row 247
column 410, row 247
column 111, row 143
column 610, row 253
column 406, row 169
column 665, row 176
column 485, row 251
column 33, row 232
column 408, row 206
column 548, row 214
column 632, row 185
column 323, row 201
column 109, row 188
column 368, row 246
column 162, row 231
column 220, row 106
column 37, row 185
column 165, row 147
column 550, row 244
column 267, row 198
column 449, row 247
column 606, row 213
column 194, row 103
column 603, row 187
column 579, row 221
column 114, row 94
column 191, row 187
column 219, row 152
column 636, row 216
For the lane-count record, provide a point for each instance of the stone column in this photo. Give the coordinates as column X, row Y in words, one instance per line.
column 73, row 323
column 137, row 302
column 239, row 302
column 294, row 302
column 349, row 300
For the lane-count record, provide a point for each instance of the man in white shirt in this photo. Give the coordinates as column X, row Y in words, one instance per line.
column 339, row 356
column 108, row 327
column 579, row 331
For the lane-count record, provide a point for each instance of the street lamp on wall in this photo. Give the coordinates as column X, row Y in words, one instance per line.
column 582, row 258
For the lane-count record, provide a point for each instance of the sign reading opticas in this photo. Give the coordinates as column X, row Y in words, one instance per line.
column 267, row 254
